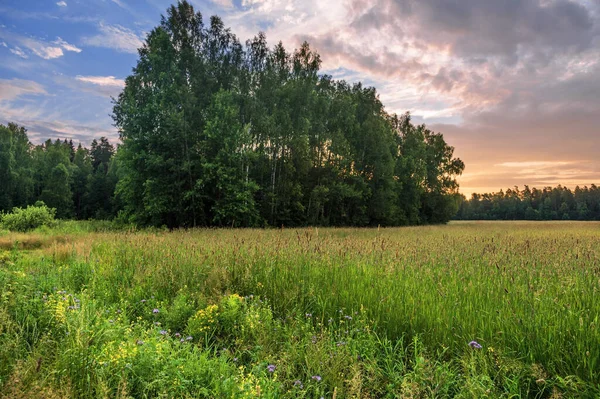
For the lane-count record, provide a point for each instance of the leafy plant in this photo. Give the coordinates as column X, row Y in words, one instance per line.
column 30, row 218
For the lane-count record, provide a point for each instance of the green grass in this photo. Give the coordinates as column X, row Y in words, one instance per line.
column 374, row 313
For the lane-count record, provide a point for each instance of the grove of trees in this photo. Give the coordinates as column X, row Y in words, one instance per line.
column 558, row 203
column 78, row 182
column 215, row 133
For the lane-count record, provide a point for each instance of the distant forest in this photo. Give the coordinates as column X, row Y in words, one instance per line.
column 78, row 182
column 558, row 203
column 214, row 133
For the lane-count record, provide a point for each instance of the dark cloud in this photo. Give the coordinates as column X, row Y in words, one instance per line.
column 473, row 29
column 357, row 56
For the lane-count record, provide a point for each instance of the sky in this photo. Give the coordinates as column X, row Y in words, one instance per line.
column 513, row 85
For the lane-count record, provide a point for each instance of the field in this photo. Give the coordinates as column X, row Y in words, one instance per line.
column 304, row 313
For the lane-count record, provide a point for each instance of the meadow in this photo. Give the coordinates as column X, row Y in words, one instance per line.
column 466, row 310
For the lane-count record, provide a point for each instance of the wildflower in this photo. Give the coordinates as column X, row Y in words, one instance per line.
column 139, row 342
column 182, row 340
column 348, row 317
column 330, row 321
column 308, row 315
column 143, row 301
column 271, row 368
column 298, row 384
column 177, row 335
column 235, row 359
column 111, row 321
column 316, row 378
column 189, row 338
column 474, row 345
column 155, row 311
column 341, row 343
column 163, row 332
column 313, row 339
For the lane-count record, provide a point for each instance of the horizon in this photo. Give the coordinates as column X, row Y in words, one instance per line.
column 515, row 96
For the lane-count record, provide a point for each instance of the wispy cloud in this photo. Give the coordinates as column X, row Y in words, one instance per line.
column 61, row 4
column 11, row 89
column 68, row 47
column 534, row 164
column 110, row 81
column 224, row 3
column 116, row 37
column 18, row 52
column 38, row 47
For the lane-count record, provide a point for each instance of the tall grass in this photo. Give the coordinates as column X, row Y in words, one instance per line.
column 374, row 312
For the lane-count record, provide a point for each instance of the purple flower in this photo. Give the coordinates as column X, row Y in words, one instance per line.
column 271, row 368
column 189, row 338
column 474, row 345
column 163, row 332
column 177, row 335
column 348, row 317
column 316, row 378
column 298, row 384
column 143, row 301
column 155, row 311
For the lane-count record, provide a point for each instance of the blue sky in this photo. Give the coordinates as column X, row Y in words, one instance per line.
column 512, row 84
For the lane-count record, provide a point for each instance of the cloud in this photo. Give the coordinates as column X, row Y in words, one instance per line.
column 39, row 47
column 42, row 125
column 104, row 86
column 66, row 46
column 534, row 164
column 224, row 3
column 116, row 37
column 18, row 52
column 110, row 81
column 11, row 89
column 61, row 4
column 473, row 28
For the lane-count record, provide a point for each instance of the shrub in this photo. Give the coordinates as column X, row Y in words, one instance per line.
column 30, row 218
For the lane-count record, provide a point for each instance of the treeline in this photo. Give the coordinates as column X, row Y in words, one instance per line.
column 78, row 182
column 558, row 203
column 216, row 133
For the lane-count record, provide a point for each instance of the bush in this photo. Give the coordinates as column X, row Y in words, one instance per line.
column 30, row 218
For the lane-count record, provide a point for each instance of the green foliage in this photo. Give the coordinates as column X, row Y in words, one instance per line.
column 30, row 218
column 558, row 203
column 76, row 182
column 221, row 135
